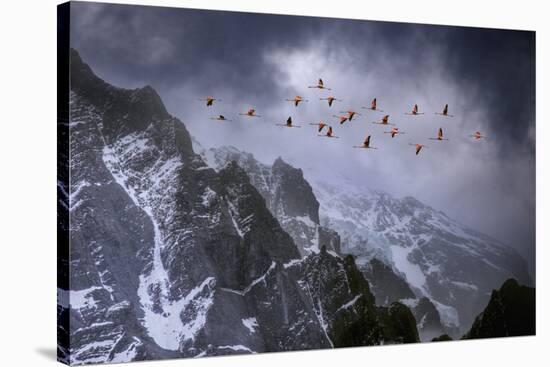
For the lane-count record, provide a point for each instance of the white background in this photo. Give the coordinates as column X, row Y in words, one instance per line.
column 28, row 176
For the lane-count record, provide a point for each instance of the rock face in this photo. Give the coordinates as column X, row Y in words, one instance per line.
column 389, row 287
column 442, row 338
column 386, row 285
column 287, row 194
column 453, row 266
column 171, row 258
column 510, row 312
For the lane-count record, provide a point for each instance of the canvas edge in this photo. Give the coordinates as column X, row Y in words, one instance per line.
column 63, row 186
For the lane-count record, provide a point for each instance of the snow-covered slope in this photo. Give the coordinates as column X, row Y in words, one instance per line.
column 452, row 265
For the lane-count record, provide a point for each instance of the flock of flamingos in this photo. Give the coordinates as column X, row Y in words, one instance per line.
column 348, row 117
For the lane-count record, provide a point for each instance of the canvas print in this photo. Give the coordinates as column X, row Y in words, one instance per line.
column 238, row 183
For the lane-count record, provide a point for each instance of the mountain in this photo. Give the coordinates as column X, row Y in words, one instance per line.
column 510, row 312
column 453, row 266
column 408, row 251
column 389, row 287
column 172, row 258
column 287, row 194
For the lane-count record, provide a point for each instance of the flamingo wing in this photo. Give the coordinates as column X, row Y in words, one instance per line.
column 446, row 109
column 367, row 141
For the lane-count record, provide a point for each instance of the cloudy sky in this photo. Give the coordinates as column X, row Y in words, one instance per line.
column 486, row 76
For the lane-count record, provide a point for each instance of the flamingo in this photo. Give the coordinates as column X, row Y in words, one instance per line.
column 220, row 118
column 328, row 134
column 414, row 111
column 439, row 135
column 351, row 113
column 366, row 144
column 372, row 106
column 342, row 119
column 384, row 121
column 477, row 136
column 320, row 124
column 288, row 123
column 394, row 131
column 250, row 113
column 418, row 147
column 320, row 85
column 330, row 99
column 209, row 100
column 297, row 100
column 445, row 112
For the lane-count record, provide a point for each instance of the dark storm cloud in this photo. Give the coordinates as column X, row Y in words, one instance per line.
column 226, row 47
column 502, row 64
column 256, row 60
column 166, row 45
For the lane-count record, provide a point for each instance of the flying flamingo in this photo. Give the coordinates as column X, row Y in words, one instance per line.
column 418, row 147
column 351, row 113
column 320, row 85
column 414, row 111
column 372, row 106
column 342, row 119
column 439, row 135
column 320, row 124
column 384, row 121
column 477, row 136
column 220, row 118
column 394, row 131
column 297, row 100
column 445, row 112
column 288, row 123
column 250, row 113
column 366, row 144
column 328, row 134
column 209, row 100
column 330, row 99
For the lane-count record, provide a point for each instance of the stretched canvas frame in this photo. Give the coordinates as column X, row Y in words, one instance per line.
column 172, row 248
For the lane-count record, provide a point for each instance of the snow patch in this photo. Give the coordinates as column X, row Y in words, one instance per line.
column 251, row 324
column 448, row 314
column 412, row 272
column 82, row 298
column 349, row 304
column 237, row 348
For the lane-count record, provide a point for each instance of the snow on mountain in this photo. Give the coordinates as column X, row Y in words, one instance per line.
column 452, row 265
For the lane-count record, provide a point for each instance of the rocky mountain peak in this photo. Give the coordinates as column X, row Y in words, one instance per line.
column 294, row 195
column 511, row 311
column 128, row 110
